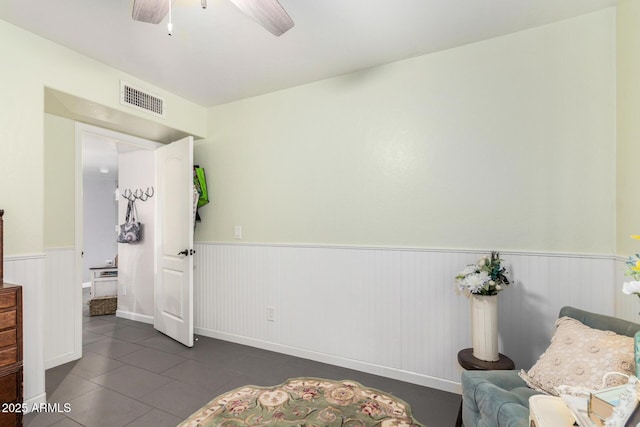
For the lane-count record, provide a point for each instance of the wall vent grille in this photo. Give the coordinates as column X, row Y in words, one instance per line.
column 141, row 100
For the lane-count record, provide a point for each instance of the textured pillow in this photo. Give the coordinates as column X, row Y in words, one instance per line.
column 579, row 356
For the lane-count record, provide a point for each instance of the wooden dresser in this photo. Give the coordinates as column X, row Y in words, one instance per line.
column 10, row 354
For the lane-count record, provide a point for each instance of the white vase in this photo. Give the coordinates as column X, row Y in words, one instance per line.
column 484, row 327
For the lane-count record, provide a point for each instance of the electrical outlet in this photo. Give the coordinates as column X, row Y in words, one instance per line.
column 237, row 232
column 271, row 313
column 124, row 290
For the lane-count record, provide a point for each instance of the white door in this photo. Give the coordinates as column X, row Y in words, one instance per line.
column 173, row 314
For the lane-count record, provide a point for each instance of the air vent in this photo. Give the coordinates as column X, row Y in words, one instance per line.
column 141, row 100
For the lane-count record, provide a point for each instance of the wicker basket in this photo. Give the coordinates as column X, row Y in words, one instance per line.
column 103, row 305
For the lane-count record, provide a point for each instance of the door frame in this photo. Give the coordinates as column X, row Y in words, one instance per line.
column 80, row 130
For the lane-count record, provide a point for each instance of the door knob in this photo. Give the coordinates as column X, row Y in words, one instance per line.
column 185, row 252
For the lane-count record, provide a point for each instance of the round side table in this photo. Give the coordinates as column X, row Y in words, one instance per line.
column 470, row 363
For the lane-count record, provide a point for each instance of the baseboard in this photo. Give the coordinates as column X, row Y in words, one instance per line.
column 34, row 402
column 61, row 360
column 385, row 371
column 134, row 316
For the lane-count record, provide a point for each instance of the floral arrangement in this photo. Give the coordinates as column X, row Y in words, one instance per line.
column 633, row 270
column 486, row 277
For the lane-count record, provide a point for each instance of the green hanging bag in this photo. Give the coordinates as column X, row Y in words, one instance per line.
column 200, row 181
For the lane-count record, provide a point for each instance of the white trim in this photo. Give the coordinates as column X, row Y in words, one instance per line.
column 78, row 244
column 144, row 318
column 370, row 368
column 24, row 257
column 117, row 136
column 61, row 360
column 60, row 248
column 36, row 400
column 411, row 249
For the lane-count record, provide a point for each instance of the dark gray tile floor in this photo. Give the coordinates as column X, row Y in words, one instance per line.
column 132, row 375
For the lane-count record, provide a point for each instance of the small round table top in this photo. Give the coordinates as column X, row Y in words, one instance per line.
column 470, row 363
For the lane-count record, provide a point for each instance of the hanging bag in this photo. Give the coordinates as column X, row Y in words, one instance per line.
column 122, row 233
column 200, row 182
column 131, row 230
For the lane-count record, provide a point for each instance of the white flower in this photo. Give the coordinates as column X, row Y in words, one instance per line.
column 474, row 282
column 485, row 277
column 469, row 269
column 632, row 287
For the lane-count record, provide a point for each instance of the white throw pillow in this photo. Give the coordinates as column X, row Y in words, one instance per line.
column 580, row 356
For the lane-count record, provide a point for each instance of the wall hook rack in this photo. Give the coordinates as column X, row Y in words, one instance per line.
column 138, row 194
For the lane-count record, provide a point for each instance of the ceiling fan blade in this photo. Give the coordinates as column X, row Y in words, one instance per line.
column 268, row 13
column 152, row 11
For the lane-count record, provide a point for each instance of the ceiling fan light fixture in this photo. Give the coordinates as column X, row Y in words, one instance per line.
column 151, row 11
column 268, row 13
column 170, row 24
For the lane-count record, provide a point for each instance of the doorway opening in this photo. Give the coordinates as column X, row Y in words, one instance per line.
column 104, row 158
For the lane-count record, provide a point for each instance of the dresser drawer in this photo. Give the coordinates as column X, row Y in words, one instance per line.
column 10, row 419
column 10, row 386
column 8, row 319
column 11, row 352
column 7, row 300
column 8, row 356
column 8, row 337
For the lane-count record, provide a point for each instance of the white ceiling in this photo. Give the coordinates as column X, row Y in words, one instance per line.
column 98, row 153
column 219, row 55
column 100, row 156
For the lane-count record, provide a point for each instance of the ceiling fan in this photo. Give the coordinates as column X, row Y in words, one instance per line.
column 268, row 13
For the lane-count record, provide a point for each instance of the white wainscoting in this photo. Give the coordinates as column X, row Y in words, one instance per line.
column 28, row 271
column 392, row 312
column 61, row 315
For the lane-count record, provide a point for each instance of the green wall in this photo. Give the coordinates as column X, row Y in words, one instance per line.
column 59, row 182
column 628, row 120
column 508, row 143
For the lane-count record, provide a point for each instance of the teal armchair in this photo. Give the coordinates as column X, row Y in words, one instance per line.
column 501, row 398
